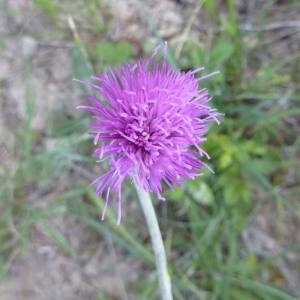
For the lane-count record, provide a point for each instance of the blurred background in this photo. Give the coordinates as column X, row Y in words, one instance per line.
column 232, row 235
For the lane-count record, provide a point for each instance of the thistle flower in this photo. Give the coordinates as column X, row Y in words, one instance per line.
column 149, row 121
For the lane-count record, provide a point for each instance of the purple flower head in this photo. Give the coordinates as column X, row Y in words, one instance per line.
column 149, row 121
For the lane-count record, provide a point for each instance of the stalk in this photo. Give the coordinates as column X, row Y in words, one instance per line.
column 157, row 243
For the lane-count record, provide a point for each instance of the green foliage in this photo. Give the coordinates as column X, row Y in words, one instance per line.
column 230, row 157
column 210, row 7
column 49, row 7
column 80, row 68
column 108, row 53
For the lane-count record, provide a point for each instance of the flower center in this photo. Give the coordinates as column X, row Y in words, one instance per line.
column 146, row 138
column 138, row 134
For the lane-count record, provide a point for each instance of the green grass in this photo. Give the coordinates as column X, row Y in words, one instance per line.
column 202, row 220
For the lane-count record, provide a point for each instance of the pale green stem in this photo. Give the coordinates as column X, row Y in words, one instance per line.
column 157, row 243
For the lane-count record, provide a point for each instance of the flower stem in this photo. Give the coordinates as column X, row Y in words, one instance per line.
column 157, row 243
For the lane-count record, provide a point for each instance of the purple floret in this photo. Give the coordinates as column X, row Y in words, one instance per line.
column 149, row 121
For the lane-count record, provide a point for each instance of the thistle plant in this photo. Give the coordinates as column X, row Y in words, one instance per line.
column 149, row 121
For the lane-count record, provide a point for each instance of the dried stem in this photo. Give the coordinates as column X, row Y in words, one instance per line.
column 157, row 243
